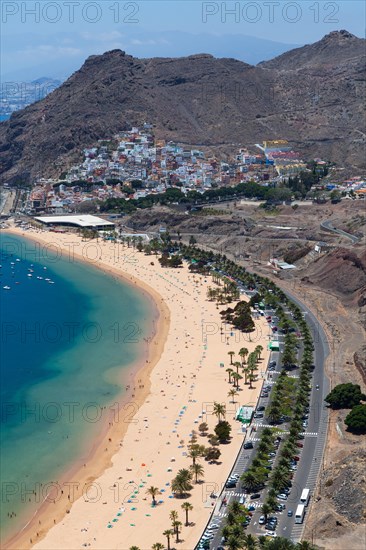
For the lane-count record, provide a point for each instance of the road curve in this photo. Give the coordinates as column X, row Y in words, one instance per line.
column 328, row 226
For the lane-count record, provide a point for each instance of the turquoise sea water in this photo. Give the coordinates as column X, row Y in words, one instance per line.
column 67, row 346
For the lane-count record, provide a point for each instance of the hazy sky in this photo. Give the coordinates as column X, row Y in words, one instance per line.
column 50, row 35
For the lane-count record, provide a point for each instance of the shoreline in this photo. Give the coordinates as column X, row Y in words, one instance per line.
column 98, row 459
column 188, row 376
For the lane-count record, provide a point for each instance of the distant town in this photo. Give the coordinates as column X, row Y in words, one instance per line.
column 133, row 169
column 15, row 96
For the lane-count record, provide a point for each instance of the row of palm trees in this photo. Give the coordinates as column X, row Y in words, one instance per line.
column 248, row 367
column 176, row 524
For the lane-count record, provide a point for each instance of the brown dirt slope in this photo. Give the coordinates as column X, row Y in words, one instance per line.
column 342, row 271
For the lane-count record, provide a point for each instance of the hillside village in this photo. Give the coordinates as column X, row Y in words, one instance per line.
column 133, row 164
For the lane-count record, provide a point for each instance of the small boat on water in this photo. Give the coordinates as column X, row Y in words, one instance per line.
column 17, row 260
column 29, row 275
column 6, row 287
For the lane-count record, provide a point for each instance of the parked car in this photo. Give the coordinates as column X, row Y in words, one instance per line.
column 248, row 445
column 290, row 513
column 230, row 484
column 258, row 415
column 282, row 496
column 254, row 496
column 261, row 408
column 298, row 444
column 262, row 520
column 272, row 364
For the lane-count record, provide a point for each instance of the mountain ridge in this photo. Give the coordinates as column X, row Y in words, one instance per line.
column 197, row 99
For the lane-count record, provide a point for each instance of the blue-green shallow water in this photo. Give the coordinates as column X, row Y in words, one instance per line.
column 66, row 349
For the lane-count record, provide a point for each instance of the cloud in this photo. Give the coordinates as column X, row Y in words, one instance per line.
column 101, row 37
column 138, row 42
column 49, row 51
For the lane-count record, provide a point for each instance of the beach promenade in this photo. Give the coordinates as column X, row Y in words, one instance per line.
column 172, row 393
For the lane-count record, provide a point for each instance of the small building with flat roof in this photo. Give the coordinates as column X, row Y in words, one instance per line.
column 244, row 414
column 85, row 221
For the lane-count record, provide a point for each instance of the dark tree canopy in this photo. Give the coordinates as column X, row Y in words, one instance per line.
column 345, row 396
column 356, row 419
column 222, row 430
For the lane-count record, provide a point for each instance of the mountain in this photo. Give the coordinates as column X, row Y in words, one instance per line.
column 335, row 47
column 312, row 96
column 67, row 50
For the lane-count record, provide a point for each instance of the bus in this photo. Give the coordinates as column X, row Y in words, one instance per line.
column 305, row 496
column 300, row 512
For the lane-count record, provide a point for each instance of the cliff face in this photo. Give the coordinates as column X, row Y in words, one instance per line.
column 312, row 96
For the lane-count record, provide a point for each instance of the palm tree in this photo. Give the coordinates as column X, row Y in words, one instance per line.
column 197, row 470
column 234, row 543
column 246, row 372
column 176, row 526
column 258, row 350
column 232, row 393
column 243, row 352
column 187, row 507
column 181, row 484
column 134, row 548
column 266, row 510
column 153, row 491
column 157, row 546
column 219, row 410
column 250, row 480
column 173, row 516
column 230, row 372
column 304, row 545
column 168, row 533
column 237, row 365
column 252, row 377
column 236, row 378
column 195, row 452
column 250, row 542
column 231, row 353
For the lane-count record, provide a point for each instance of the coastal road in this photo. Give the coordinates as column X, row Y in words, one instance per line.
column 311, row 455
column 328, row 226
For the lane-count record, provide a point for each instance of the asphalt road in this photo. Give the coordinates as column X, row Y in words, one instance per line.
column 329, row 227
column 310, row 455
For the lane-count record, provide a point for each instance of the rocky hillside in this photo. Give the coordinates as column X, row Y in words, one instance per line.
column 342, row 271
column 311, row 96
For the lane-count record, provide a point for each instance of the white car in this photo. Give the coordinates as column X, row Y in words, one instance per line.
column 262, row 520
column 282, row 496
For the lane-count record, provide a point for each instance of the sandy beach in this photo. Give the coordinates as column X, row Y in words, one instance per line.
column 146, row 443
